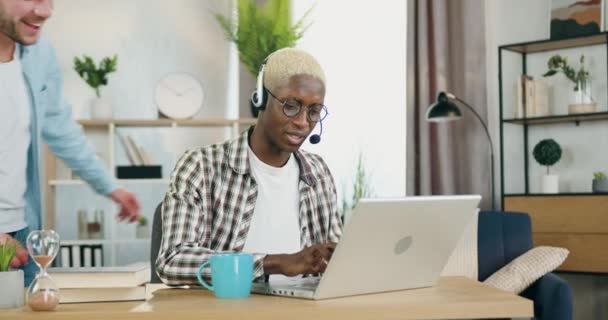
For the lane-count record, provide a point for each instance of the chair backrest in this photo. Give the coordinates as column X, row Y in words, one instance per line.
column 157, row 235
column 501, row 237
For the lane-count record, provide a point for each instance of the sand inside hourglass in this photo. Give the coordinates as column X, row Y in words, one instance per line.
column 45, row 300
column 43, row 260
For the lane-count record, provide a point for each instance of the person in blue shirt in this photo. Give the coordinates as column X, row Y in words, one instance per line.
column 32, row 111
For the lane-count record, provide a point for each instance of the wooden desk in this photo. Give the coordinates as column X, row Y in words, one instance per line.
column 453, row 298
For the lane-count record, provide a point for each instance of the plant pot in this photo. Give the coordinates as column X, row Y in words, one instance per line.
column 550, row 183
column 12, row 294
column 101, row 109
column 581, row 99
column 600, row 185
column 142, row 232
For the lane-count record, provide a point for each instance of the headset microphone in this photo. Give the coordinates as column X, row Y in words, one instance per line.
column 316, row 138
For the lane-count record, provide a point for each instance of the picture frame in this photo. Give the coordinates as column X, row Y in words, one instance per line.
column 576, row 18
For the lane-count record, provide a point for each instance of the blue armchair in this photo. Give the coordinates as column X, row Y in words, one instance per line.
column 502, row 237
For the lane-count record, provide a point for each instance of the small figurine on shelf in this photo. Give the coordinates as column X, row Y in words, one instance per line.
column 97, row 77
column 141, row 231
column 581, row 99
column 600, row 182
column 548, row 152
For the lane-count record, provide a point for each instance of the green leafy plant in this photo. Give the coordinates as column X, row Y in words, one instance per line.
column 142, row 221
column 95, row 76
column 261, row 30
column 547, row 152
column 361, row 187
column 558, row 63
column 599, row 175
column 7, row 253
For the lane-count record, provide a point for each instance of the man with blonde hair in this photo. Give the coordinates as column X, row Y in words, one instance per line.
column 258, row 193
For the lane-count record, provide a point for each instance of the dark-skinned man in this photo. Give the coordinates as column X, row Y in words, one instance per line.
column 258, row 193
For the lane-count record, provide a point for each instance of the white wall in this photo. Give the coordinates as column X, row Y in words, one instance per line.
column 519, row 21
column 362, row 47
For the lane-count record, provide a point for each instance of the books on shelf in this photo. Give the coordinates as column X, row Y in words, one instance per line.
column 137, row 155
column 80, row 255
column 531, row 97
column 101, row 277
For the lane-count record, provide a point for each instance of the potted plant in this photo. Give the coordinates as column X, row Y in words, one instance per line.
column 547, row 152
column 141, row 230
column 260, row 30
column 600, row 182
column 581, row 100
column 97, row 77
column 12, row 294
column 361, row 188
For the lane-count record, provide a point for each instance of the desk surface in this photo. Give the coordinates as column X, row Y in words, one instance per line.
column 452, row 298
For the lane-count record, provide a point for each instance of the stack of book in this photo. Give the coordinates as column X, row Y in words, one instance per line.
column 98, row 284
column 531, row 98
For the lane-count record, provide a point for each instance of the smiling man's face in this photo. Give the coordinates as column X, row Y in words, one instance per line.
column 22, row 20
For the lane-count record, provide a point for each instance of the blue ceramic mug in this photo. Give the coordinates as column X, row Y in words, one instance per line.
column 231, row 273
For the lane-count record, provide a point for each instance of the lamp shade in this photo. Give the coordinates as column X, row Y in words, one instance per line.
column 443, row 110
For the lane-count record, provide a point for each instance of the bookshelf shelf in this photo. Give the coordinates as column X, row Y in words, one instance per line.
column 74, row 182
column 151, row 123
column 564, row 118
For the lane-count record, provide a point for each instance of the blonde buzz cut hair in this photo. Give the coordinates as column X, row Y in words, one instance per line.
column 285, row 63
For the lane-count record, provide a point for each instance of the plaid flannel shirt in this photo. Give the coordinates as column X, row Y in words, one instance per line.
column 210, row 203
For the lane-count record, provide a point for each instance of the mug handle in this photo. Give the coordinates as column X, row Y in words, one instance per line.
column 200, row 278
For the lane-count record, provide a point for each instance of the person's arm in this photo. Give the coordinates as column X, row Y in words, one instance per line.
column 65, row 137
column 67, row 141
column 186, row 222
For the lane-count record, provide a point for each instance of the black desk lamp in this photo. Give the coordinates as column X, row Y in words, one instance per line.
column 445, row 110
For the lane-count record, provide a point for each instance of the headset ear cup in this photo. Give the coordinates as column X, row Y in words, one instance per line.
column 264, row 99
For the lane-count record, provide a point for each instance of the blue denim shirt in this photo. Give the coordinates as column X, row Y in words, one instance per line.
column 52, row 123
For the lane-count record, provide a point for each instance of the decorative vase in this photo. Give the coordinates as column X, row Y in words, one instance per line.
column 550, row 183
column 600, row 185
column 101, row 109
column 142, row 232
column 581, row 99
column 12, row 294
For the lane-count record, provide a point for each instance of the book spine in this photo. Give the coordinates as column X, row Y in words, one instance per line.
column 76, row 256
column 66, row 256
column 98, row 257
column 87, row 256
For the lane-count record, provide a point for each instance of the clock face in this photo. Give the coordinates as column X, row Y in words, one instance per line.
column 179, row 95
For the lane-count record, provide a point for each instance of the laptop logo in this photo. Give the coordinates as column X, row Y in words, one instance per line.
column 402, row 245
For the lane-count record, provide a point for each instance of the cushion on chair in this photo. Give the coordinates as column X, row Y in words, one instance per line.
column 520, row 273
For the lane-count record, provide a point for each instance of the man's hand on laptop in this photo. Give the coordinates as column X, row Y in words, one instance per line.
column 21, row 255
column 310, row 260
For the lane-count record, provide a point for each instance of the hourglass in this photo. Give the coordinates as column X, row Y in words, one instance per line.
column 43, row 294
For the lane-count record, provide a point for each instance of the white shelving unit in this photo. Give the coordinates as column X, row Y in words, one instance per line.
column 108, row 129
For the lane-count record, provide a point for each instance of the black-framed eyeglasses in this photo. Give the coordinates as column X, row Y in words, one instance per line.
column 292, row 107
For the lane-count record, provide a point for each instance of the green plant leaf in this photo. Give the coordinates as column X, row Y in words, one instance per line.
column 550, row 73
column 7, row 253
column 94, row 76
column 261, row 30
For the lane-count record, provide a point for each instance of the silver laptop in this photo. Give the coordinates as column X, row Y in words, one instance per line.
column 388, row 245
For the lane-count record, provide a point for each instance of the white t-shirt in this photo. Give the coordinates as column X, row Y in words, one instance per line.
column 275, row 225
column 14, row 142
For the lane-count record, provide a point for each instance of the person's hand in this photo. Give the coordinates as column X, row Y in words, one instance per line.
column 310, row 260
column 129, row 205
column 21, row 256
